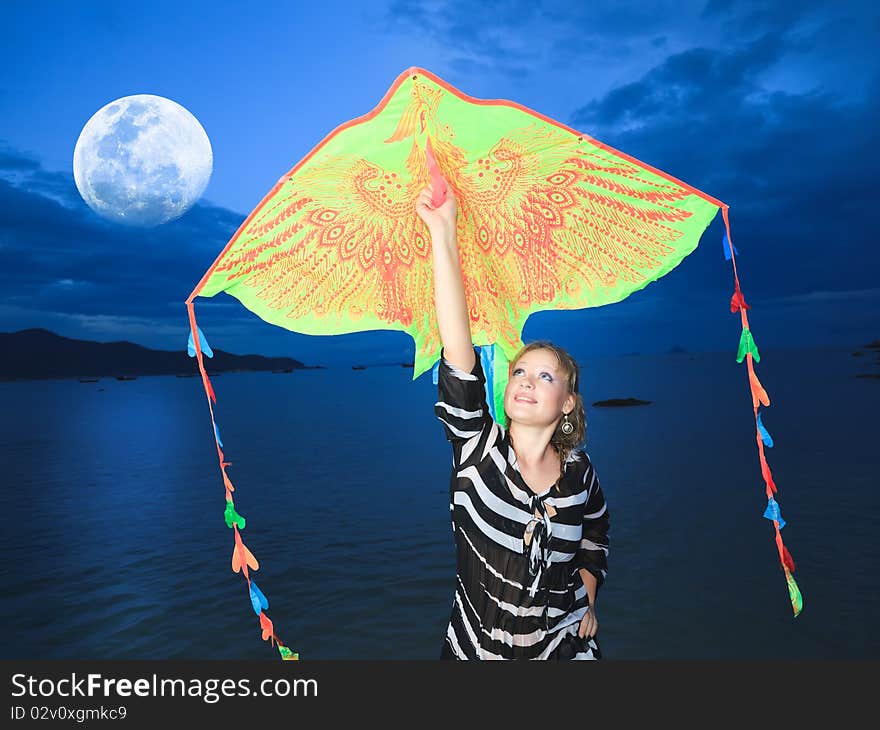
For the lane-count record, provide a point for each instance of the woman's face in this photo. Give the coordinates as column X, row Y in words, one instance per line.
column 537, row 391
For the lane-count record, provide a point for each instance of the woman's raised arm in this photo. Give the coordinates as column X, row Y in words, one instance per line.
column 450, row 303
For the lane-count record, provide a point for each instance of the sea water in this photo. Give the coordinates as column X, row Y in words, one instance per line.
column 115, row 545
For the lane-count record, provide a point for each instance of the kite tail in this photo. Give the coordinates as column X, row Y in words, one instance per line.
column 495, row 364
column 748, row 351
column 242, row 557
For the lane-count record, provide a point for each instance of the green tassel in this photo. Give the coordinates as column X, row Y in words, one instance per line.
column 797, row 601
column 746, row 345
column 501, row 364
column 232, row 517
column 287, row 654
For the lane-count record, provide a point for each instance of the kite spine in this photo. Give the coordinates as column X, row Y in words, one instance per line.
column 748, row 351
column 242, row 557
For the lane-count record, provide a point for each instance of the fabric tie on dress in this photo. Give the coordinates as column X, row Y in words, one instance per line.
column 539, row 547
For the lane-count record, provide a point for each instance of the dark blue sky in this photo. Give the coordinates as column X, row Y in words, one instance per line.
column 770, row 107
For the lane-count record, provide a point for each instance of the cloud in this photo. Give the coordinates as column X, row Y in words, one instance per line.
column 796, row 167
column 770, row 108
column 67, row 270
column 743, row 15
column 58, row 256
column 691, row 84
column 13, row 161
column 797, row 170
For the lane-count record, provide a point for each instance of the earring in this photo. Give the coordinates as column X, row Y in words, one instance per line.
column 567, row 426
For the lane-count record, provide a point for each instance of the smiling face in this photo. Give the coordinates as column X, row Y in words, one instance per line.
column 537, row 389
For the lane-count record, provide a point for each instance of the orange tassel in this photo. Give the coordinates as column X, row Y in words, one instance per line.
column 209, row 389
column 268, row 629
column 784, row 556
column 787, row 560
column 242, row 557
column 765, row 472
column 737, row 301
column 759, row 395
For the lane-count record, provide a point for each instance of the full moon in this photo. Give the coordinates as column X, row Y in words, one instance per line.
column 142, row 161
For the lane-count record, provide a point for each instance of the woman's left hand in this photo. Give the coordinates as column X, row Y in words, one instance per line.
column 589, row 624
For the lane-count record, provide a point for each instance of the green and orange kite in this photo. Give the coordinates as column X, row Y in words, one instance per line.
column 549, row 218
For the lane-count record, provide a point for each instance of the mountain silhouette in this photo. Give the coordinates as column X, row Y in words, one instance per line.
column 38, row 353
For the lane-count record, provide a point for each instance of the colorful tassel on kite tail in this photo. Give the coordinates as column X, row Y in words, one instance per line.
column 748, row 351
column 487, row 362
column 495, row 365
column 794, row 593
column 286, row 653
column 243, row 560
column 797, row 601
column 764, row 434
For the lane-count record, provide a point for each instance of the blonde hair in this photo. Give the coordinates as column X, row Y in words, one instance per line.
column 564, row 443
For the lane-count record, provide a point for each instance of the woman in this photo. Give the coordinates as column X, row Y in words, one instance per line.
column 529, row 517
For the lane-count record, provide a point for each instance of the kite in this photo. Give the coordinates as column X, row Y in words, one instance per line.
column 548, row 218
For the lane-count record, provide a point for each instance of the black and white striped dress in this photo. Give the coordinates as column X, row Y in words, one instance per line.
column 512, row 600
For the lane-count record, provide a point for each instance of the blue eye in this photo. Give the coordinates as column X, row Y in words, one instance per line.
column 519, row 370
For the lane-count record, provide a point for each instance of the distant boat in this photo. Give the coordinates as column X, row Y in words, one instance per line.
column 126, row 377
column 89, row 380
column 186, row 375
column 358, row 367
column 407, row 364
column 285, row 370
column 611, row 402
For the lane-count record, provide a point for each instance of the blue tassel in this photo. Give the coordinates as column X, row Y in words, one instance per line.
column 217, row 434
column 765, row 435
column 772, row 512
column 258, row 600
column 724, row 242
column 203, row 343
column 435, row 373
column 487, row 360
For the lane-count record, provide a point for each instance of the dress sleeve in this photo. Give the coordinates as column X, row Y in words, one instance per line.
column 462, row 409
column 592, row 553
